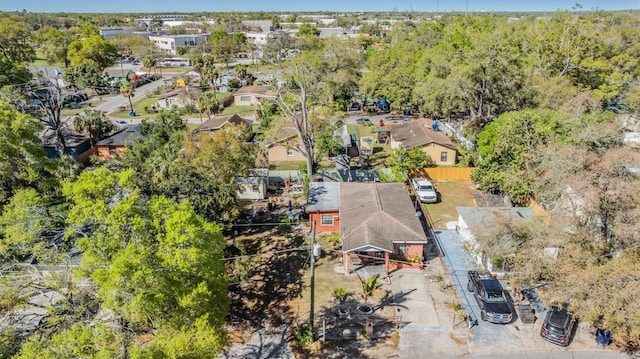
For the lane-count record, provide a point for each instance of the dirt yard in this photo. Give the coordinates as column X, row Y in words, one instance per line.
column 452, row 194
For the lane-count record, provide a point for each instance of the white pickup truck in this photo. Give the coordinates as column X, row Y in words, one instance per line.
column 425, row 190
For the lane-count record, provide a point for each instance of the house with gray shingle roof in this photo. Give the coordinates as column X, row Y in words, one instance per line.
column 378, row 222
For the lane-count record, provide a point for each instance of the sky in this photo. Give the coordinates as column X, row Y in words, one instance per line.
column 149, row 6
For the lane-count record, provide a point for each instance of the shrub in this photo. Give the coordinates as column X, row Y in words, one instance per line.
column 340, row 293
column 303, row 335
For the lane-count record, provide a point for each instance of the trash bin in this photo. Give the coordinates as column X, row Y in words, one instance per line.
column 132, row 113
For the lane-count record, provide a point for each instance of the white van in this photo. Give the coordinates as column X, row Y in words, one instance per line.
column 425, row 190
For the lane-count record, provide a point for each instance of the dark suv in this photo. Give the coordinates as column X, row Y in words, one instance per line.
column 558, row 326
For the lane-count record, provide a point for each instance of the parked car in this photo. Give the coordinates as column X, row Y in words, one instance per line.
column 558, row 326
column 425, row 190
column 364, row 121
column 491, row 297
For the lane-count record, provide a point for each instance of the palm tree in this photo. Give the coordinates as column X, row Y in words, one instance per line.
column 369, row 285
column 148, row 62
column 210, row 74
column 95, row 123
column 208, row 103
column 126, row 90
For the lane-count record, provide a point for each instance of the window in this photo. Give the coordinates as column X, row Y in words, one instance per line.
column 327, row 220
column 245, row 98
column 289, row 152
column 402, row 249
column 113, row 152
column 443, row 156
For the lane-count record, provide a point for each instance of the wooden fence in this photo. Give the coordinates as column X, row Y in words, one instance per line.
column 444, row 173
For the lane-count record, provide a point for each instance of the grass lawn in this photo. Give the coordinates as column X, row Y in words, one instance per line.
column 138, row 107
column 42, row 61
column 238, row 110
column 286, row 166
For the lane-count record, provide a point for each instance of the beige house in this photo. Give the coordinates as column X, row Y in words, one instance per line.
column 216, row 123
column 178, row 97
column 419, row 133
column 251, row 95
column 285, row 148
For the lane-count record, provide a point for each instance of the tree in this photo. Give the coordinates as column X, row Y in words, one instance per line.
column 29, row 228
column 79, row 341
column 406, row 160
column 507, row 148
column 223, row 46
column 308, row 30
column 92, row 49
column 55, row 44
column 127, row 90
column 15, row 40
column 208, row 103
column 95, row 123
column 369, row 286
column 86, row 75
column 12, row 73
column 154, row 261
column 132, row 45
column 302, row 74
column 22, row 157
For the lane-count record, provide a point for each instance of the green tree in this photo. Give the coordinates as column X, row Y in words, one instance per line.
column 308, row 30
column 55, row 44
column 79, row 341
column 406, row 160
column 369, row 285
column 127, row 90
column 208, row 103
column 132, row 45
column 12, row 73
column 22, row 158
column 15, row 41
column 507, row 148
column 92, row 49
column 95, row 123
column 86, row 75
column 154, row 261
column 28, row 228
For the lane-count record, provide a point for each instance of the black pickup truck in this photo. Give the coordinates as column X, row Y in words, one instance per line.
column 491, row 297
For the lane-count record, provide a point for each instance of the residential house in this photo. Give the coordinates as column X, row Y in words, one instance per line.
column 251, row 95
column 255, row 185
column 115, row 145
column 419, row 133
column 378, row 222
column 323, row 206
column 117, row 76
column 178, row 97
column 285, row 147
column 216, row 123
column 473, row 221
column 78, row 145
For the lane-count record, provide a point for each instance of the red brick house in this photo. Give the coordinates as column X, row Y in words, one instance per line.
column 323, row 206
column 378, row 220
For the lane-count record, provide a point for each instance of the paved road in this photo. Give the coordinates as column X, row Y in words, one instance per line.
column 267, row 343
column 112, row 103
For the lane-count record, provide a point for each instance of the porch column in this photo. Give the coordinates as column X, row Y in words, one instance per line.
column 386, row 264
column 346, row 259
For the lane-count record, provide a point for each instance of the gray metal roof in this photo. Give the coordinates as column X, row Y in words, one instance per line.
column 323, row 197
column 484, row 217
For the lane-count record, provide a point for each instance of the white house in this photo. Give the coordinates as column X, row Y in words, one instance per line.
column 255, row 185
column 170, row 43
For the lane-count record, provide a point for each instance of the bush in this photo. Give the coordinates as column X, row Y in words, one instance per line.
column 303, row 335
column 340, row 294
column 333, row 239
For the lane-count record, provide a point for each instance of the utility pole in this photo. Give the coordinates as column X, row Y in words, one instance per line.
column 313, row 279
